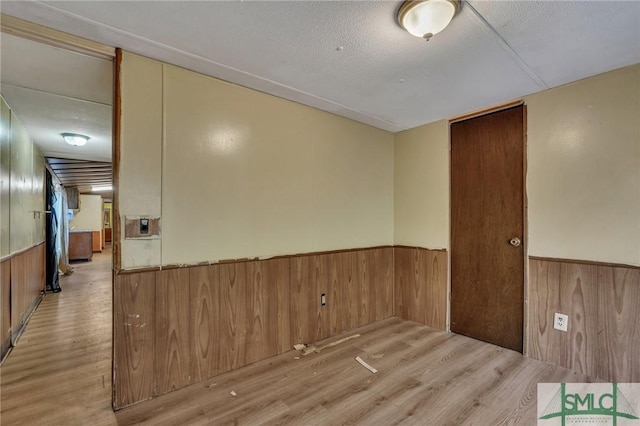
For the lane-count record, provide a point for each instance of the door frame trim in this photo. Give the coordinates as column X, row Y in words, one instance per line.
column 41, row 34
column 525, row 235
column 486, row 111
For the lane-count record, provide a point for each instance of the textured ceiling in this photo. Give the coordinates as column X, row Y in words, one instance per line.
column 53, row 91
column 352, row 59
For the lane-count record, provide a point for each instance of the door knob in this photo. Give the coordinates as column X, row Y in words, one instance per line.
column 515, row 241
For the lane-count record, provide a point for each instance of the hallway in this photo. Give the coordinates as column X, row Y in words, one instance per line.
column 60, row 371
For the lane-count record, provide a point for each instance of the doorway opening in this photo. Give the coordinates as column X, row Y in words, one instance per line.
column 51, row 86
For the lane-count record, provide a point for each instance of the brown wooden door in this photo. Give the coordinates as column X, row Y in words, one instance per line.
column 487, row 211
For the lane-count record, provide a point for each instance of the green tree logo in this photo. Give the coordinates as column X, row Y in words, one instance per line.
column 586, row 404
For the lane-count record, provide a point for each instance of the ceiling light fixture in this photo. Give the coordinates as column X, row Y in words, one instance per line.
column 75, row 139
column 426, row 18
column 101, row 188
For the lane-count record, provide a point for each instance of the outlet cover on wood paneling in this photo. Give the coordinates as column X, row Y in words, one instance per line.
column 560, row 322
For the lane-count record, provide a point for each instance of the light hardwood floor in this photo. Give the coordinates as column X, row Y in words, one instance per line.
column 60, row 371
column 425, row 377
column 60, row 374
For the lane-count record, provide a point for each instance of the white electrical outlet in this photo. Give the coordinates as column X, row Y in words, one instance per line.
column 560, row 322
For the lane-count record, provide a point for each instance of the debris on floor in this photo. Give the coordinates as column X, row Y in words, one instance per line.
column 376, row 356
column 233, row 393
column 365, row 365
column 337, row 342
column 311, row 349
column 308, row 350
column 296, row 357
column 299, row 346
column 211, row 385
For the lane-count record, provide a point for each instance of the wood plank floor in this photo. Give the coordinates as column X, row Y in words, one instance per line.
column 60, row 371
column 425, row 377
column 59, row 374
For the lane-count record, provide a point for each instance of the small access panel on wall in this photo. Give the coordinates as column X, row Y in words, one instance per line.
column 141, row 228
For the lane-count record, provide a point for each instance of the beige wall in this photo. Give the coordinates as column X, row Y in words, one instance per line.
column 5, row 173
column 237, row 173
column 140, row 153
column 90, row 215
column 421, row 186
column 584, row 169
column 23, row 192
column 583, row 180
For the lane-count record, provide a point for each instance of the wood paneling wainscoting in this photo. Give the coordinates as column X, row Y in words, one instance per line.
column 359, row 289
column 5, row 306
column 134, row 308
column 602, row 302
column 27, row 285
column 421, row 285
column 183, row 325
column 21, row 286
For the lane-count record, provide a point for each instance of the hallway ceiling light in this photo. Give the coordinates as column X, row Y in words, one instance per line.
column 426, row 18
column 101, row 188
column 75, row 139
